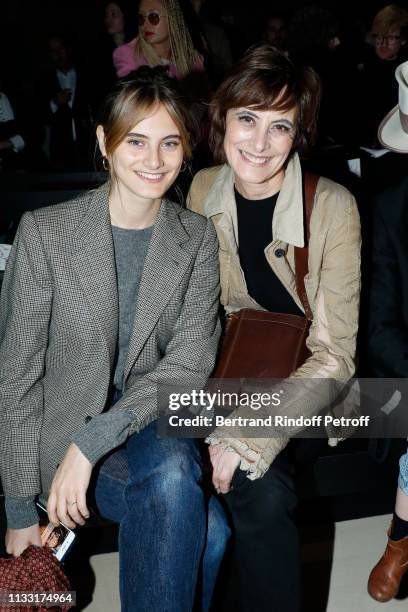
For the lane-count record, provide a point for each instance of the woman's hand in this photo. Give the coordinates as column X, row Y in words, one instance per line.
column 17, row 540
column 224, row 465
column 67, row 498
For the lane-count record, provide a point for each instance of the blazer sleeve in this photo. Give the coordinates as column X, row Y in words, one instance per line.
column 190, row 354
column 25, row 307
column 388, row 337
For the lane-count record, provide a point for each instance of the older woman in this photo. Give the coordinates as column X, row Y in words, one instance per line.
column 262, row 115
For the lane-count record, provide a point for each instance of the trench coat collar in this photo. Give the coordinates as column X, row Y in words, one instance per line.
column 288, row 218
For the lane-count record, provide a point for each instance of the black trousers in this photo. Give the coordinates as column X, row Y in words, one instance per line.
column 264, row 568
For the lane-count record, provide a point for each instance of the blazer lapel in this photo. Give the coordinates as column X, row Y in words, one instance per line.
column 94, row 261
column 166, row 263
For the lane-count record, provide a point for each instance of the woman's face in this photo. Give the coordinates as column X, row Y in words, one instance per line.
column 148, row 160
column 114, row 19
column 154, row 33
column 257, row 144
column 387, row 47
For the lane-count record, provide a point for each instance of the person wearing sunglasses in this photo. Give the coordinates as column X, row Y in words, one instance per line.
column 163, row 39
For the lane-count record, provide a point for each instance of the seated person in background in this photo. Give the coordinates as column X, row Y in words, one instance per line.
column 219, row 48
column 11, row 141
column 163, row 39
column 315, row 37
column 118, row 21
column 276, row 30
column 115, row 23
column 388, row 342
column 67, row 105
column 388, row 36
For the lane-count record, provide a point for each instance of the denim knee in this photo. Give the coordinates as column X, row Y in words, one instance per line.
column 218, row 530
column 175, row 480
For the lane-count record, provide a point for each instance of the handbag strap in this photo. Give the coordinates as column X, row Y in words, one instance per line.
column 302, row 253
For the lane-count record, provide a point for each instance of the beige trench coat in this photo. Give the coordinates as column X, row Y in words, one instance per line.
column 332, row 286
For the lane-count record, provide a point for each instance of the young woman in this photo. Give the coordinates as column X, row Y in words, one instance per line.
column 104, row 299
column 163, row 39
column 262, row 114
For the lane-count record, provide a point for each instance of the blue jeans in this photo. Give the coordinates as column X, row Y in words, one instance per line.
column 171, row 536
column 403, row 473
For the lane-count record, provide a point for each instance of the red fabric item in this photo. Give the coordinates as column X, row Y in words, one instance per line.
column 35, row 570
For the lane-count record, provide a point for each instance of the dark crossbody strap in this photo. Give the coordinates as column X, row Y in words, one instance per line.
column 302, row 253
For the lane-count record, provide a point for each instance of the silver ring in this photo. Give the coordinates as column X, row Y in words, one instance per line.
column 72, row 503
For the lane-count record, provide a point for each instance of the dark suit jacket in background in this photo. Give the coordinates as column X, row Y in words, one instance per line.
column 64, row 153
column 59, row 323
column 388, row 331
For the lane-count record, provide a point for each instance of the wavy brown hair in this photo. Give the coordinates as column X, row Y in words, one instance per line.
column 266, row 79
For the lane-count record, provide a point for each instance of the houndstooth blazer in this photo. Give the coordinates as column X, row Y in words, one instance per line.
column 59, row 323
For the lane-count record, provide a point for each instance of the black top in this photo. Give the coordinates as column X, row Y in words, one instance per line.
column 254, row 235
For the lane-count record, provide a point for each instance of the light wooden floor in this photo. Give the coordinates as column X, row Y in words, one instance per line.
column 358, row 544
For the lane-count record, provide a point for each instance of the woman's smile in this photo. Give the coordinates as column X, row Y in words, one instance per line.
column 149, row 177
column 257, row 144
column 254, row 159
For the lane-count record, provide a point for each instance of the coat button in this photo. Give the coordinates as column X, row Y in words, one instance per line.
column 88, row 418
column 279, row 253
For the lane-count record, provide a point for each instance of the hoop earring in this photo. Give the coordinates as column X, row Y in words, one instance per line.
column 105, row 164
column 183, row 166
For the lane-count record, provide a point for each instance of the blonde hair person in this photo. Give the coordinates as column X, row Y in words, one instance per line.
column 379, row 90
column 163, row 39
column 389, row 31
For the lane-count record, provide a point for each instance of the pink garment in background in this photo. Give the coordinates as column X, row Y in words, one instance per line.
column 125, row 62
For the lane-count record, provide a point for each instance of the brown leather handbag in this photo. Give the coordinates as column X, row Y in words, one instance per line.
column 261, row 344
